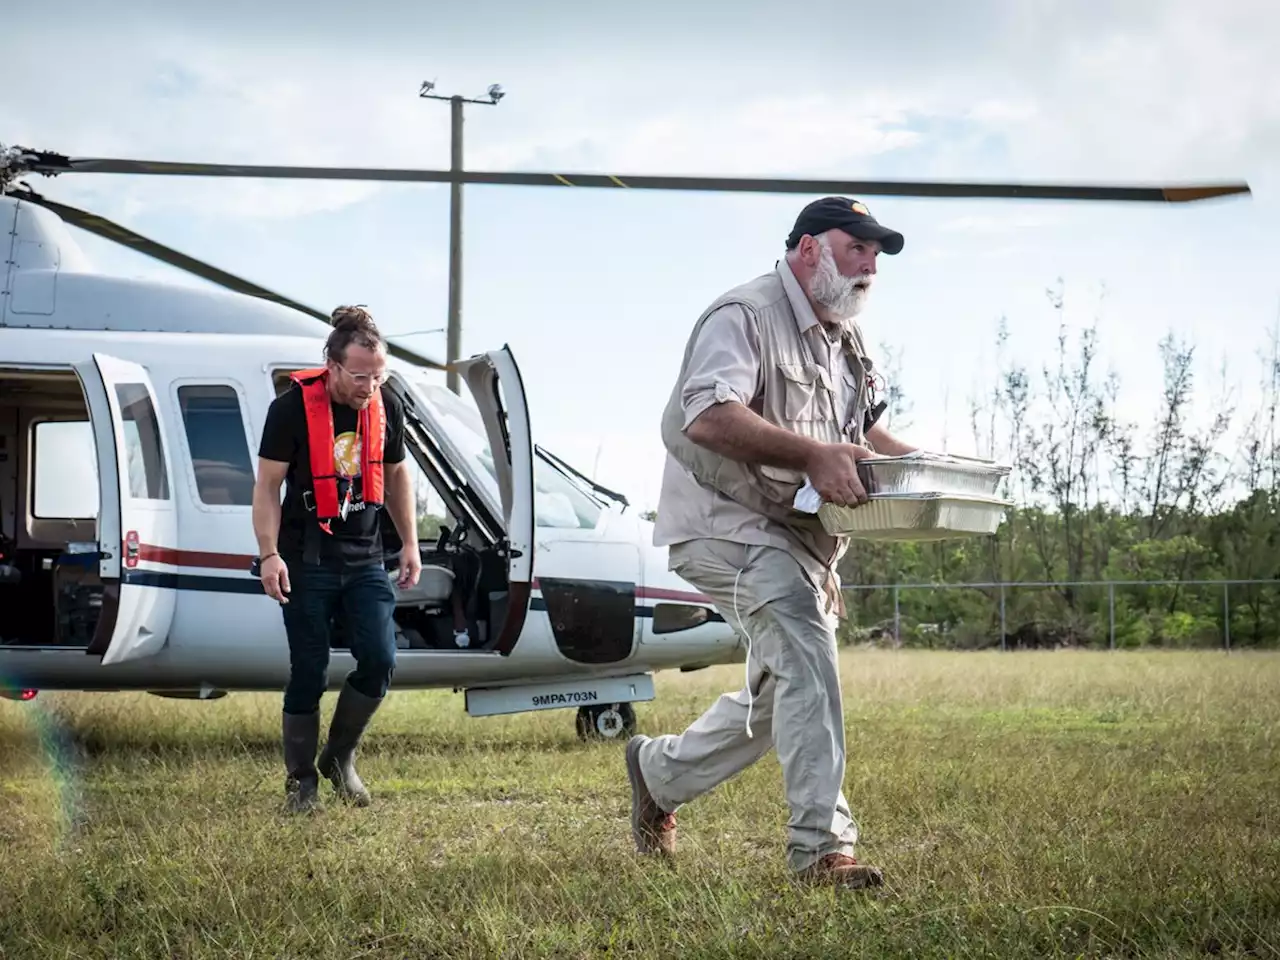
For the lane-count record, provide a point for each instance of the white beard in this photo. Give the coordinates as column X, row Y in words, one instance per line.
column 843, row 296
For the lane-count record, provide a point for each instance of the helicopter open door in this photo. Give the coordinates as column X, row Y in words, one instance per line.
column 494, row 380
column 137, row 515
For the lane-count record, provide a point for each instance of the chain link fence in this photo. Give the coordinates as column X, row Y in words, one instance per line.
column 1114, row 613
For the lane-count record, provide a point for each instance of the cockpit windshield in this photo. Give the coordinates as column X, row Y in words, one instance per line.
column 558, row 501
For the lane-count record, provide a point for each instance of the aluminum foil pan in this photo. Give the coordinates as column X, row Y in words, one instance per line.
column 931, row 473
column 915, row 516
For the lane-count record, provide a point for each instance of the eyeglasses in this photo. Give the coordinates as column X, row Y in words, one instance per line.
column 372, row 379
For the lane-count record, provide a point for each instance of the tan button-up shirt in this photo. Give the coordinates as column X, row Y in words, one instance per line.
column 725, row 366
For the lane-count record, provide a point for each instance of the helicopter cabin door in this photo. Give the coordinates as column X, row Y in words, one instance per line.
column 494, row 380
column 137, row 513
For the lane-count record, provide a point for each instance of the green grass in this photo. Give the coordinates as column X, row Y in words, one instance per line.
column 1022, row 805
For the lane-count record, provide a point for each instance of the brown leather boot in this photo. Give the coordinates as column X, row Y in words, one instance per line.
column 843, row 871
column 653, row 828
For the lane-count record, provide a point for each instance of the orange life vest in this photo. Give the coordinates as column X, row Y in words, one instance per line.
column 371, row 425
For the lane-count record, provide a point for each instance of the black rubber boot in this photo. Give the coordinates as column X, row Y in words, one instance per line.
column 337, row 762
column 302, row 779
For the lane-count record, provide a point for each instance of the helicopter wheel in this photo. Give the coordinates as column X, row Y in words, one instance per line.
column 611, row 722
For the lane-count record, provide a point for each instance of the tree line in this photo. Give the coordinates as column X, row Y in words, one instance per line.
column 1188, row 493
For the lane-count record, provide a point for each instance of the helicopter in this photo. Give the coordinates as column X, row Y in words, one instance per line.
column 129, row 412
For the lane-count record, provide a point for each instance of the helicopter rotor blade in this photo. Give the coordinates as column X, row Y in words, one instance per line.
column 51, row 164
column 412, row 356
column 110, row 230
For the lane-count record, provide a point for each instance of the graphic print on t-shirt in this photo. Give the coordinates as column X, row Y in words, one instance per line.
column 346, row 455
column 346, row 464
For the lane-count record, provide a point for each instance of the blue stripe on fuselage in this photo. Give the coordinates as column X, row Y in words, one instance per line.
column 251, row 586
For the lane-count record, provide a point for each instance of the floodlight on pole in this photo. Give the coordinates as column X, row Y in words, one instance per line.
column 495, row 93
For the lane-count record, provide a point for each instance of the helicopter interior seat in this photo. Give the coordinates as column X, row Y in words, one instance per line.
column 433, row 589
column 448, row 589
column 50, row 590
column 436, row 585
column 10, row 574
column 47, row 596
column 10, row 581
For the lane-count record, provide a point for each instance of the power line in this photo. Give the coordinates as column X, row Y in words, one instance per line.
column 495, row 93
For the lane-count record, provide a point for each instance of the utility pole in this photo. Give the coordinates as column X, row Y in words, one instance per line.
column 454, row 348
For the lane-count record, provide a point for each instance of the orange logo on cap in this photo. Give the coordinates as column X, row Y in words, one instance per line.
column 858, row 207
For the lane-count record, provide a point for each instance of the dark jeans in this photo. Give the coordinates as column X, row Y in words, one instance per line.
column 365, row 599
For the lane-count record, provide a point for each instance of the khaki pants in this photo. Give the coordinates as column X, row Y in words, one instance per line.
column 792, row 696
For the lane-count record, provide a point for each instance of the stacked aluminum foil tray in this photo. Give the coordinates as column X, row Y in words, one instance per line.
column 922, row 496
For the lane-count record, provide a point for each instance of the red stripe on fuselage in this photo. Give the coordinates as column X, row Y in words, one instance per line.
column 236, row 561
column 193, row 558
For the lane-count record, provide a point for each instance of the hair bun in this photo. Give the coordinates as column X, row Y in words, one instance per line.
column 351, row 325
column 351, row 318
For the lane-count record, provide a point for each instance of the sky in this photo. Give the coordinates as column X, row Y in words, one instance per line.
column 596, row 290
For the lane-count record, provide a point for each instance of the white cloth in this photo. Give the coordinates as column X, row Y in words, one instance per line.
column 807, row 498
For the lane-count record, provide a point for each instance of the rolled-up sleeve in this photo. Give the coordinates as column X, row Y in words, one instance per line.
column 725, row 363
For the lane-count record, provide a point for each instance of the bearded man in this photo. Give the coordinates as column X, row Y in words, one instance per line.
column 774, row 388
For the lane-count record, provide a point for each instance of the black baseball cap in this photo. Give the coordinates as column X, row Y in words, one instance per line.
column 851, row 216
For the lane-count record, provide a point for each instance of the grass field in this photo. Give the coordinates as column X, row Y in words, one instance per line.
column 1022, row 805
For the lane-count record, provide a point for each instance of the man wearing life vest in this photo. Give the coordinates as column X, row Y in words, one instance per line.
column 335, row 440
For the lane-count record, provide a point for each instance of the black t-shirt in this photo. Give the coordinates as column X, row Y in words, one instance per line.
column 358, row 539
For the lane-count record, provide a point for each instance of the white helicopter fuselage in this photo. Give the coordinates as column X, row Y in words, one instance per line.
column 166, row 388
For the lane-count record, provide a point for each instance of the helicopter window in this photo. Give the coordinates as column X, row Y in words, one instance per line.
column 148, row 477
column 280, row 381
column 63, row 456
column 220, row 458
column 430, row 510
column 559, row 502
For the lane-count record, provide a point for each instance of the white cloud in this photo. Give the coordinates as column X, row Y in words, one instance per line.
column 758, row 135
column 296, row 110
column 1175, row 90
column 991, row 225
column 1002, row 113
column 991, row 91
column 1182, row 90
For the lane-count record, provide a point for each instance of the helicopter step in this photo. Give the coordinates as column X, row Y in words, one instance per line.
column 589, row 693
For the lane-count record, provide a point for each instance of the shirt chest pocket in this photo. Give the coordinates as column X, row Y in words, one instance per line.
column 806, row 391
column 852, row 386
